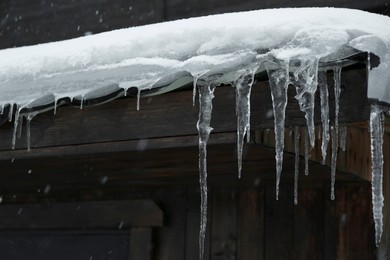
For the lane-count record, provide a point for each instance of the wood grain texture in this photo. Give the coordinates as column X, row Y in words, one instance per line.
column 79, row 215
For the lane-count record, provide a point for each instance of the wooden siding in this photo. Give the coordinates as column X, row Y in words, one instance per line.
column 246, row 222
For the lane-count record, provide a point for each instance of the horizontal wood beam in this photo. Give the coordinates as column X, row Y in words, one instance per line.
column 173, row 115
column 81, row 215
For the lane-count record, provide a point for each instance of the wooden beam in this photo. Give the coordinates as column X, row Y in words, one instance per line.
column 82, row 215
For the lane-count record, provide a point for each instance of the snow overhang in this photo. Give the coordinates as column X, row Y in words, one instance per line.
column 161, row 57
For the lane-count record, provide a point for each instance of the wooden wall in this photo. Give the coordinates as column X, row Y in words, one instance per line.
column 246, row 222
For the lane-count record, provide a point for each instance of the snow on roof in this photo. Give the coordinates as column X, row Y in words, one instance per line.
column 158, row 54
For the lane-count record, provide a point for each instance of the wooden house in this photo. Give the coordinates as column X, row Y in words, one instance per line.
column 111, row 182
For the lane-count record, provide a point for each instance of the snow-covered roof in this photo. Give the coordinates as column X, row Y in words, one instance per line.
column 156, row 55
column 292, row 44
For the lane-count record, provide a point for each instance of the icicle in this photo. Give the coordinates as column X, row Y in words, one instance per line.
column 343, row 137
column 324, row 96
column 55, row 105
column 306, row 86
column 138, row 98
column 296, row 172
column 278, row 81
column 15, row 130
column 28, row 126
column 206, row 95
column 335, row 129
column 196, row 78
column 82, row 102
column 20, row 126
column 376, row 133
column 307, row 152
column 11, row 112
column 243, row 91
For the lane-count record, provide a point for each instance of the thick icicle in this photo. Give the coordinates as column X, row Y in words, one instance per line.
column 307, row 152
column 376, row 133
column 335, row 129
column 324, row 96
column 278, row 81
column 243, row 91
column 29, row 117
column 343, row 130
column 206, row 95
column 296, row 172
column 15, row 130
column 305, row 82
column 138, row 98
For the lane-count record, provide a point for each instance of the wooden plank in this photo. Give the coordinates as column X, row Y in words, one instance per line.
column 308, row 224
column 114, row 147
column 331, row 224
column 81, row 215
column 170, row 239
column 359, row 222
column 224, row 227
column 250, row 225
column 278, row 223
column 140, row 244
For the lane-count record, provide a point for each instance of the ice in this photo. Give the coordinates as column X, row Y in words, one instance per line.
column 296, row 171
column 307, row 152
column 324, row 97
column 206, row 95
column 15, row 130
column 29, row 118
column 278, row 81
column 376, row 133
column 343, row 130
column 335, row 128
column 305, row 82
column 243, row 87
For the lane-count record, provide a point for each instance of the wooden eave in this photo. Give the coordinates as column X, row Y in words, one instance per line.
column 114, row 145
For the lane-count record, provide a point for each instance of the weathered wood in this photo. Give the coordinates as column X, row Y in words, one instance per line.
column 192, row 226
column 81, row 215
column 224, row 224
column 114, row 147
column 171, row 237
column 250, row 225
column 141, row 244
column 278, row 224
column 308, row 224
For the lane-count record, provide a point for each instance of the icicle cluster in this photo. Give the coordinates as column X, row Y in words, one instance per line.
column 243, row 110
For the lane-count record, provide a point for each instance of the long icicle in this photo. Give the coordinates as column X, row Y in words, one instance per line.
column 278, row 81
column 243, row 92
column 376, row 134
column 206, row 95
column 296, row 171
column 15, row 130
column 335, row 130
column 324, row 97
column 29, row 118
column 307, row 152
